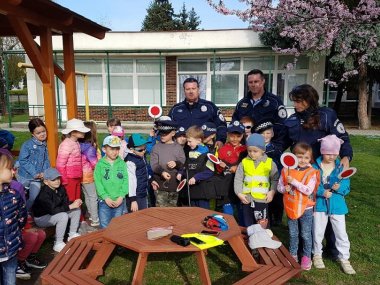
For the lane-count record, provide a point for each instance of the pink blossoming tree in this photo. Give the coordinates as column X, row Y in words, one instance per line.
column 346, row 31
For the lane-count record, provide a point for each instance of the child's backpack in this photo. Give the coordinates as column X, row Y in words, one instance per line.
column 295, row 202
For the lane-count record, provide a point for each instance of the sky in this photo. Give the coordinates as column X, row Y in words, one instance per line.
column 128, row 15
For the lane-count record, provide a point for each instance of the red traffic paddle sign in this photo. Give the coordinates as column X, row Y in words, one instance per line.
column 347, row 173
column 213, row 158
column 181, row 185
column 155, row 111
column 289, row 160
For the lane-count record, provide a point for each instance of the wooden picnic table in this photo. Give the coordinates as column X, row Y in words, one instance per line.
column 130, row 231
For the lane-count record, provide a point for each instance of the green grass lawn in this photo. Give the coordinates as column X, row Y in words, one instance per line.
column 363, row 225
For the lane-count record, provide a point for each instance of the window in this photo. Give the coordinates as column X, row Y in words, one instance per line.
column 196, row 68
column 264, row 63
column 148, row 81
column 226, row 89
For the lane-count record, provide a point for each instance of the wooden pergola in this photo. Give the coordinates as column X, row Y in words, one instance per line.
column 27, row 19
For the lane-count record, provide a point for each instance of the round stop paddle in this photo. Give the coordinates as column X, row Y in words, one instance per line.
column 213, row 158
column 289, row 160
column 181, row 185
column 155, row 111
column 347, row 173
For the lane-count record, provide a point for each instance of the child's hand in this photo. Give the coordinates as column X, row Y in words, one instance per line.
column 165, row 175
column 155, row 185
column 288, row 188
column 39, row 176
column 289, row 179
column 222, row 164
column 152, row 133
column 171, row 164
column 335, row 186
column 327, row 194
column 134, row 206
column 76, row 204
column 118, row 202
column 233, row 169
column 179, row 176
column 109, row 202
column 192, row 181
column 270, row 196
column 243, row 198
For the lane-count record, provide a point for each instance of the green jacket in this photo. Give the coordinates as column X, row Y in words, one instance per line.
column 111, row 180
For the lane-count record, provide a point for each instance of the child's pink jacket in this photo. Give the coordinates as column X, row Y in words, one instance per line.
column 69, row 160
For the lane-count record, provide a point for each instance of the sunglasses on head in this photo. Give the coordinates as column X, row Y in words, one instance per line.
column 139, row 149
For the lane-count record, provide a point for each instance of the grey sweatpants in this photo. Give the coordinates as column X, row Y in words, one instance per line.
column 60, row 221
column 91, row 200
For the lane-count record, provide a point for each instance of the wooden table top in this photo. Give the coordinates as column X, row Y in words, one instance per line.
column 130, row 230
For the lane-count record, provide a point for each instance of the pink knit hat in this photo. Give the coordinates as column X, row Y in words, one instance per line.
column 330, row 144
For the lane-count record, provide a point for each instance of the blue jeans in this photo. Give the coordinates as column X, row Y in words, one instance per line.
column 205, row 204
column 8, row 271
column 306, row 224
column 106, row 213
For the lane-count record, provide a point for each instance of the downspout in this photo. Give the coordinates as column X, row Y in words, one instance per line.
column 108, row 86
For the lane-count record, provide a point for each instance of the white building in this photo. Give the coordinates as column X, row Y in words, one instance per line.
column 131, row 70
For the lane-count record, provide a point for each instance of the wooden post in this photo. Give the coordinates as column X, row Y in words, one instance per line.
column 70, row 84
column 49, row 93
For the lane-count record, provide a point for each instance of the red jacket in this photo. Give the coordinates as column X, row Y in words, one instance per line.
column 230, row 155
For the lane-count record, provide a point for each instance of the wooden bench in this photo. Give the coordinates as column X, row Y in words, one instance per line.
column 278, row 257
column 267, row 275
column 83, row 255
column 273, row 259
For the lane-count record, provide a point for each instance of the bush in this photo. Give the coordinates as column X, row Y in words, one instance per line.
column 18, row 92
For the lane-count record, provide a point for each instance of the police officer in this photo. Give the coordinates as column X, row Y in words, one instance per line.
column 310, row 123
column 261, row 105
column 196, row 111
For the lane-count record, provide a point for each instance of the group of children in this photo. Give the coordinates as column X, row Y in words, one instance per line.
column 116, row 178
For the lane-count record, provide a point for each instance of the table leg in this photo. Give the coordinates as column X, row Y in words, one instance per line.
column 202, row 264
column 140, row 267
column 242, row 252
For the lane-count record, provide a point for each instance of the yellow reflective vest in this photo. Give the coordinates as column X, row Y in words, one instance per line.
column 256, row 179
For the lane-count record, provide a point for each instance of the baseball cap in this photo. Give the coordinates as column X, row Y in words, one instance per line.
column 208, row 128
column 235, row 127
column 51, row 174
column 136, row 140
column 118, row 131
column 112, row 141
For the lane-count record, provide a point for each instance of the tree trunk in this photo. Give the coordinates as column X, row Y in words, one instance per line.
column 364, row 119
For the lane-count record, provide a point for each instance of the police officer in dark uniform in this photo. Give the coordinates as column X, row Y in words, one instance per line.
column 196, row 111
column 261, row 105
column 310, row 123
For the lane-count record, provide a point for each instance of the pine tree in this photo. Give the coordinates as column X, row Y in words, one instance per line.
column 160, row 17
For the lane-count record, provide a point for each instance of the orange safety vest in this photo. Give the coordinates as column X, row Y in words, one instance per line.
column 295, row 202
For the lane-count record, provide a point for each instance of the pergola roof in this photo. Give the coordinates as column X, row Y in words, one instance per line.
column 27, row 19
column 37, row 13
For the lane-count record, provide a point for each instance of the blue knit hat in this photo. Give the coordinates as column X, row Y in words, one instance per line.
column 256, row 140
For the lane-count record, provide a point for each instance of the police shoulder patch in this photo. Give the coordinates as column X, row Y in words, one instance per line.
column 179, row 110
column 221, row 117
column 282, row 112
column 204, row 108
column 340, row 128
column 244, row 105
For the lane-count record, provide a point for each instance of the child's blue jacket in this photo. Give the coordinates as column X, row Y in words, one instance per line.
column 337, row 202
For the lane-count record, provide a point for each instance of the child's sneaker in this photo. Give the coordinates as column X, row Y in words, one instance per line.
column 73, row 235
column 94, row 223
column 58, row 246
column 305, row 263
column 22, row 271
column 346, row 266
column 34, row 262
column 318, row 262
